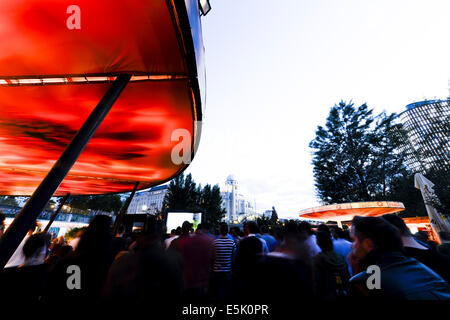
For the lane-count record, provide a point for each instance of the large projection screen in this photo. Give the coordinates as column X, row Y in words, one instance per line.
column 176, row 219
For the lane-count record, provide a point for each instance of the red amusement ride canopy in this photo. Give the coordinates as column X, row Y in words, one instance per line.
column 53, row 72
column 346, row 211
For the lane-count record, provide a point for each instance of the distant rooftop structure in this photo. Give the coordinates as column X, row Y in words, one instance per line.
column 427, row 141
column 148, row 201
column 421, row 103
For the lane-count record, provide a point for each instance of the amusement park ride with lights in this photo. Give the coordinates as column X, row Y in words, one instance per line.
column 144, row 57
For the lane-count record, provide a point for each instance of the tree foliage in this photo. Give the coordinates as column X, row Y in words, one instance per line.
column 183, row 194
column 274, row 217
column 441, row 179
column 271, row 222
column 211, row 203
column 107, row 203
column 356, row 157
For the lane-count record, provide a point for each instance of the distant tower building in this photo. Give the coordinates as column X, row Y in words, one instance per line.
column 234, row 203
column 231, row 188
column 427, row 128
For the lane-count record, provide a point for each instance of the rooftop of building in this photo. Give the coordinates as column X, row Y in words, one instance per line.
column 423, row 103
column 157, row 188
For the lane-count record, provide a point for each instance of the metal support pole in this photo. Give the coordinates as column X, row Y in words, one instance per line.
column 34, row 206
column 55, row 214
column 124, row 209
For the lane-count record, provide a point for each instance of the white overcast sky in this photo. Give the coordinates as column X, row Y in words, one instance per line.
column 274, row 69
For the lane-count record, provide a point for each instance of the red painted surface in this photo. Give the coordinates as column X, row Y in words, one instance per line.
column 37, row 122
column 132, row 144
column 115, row 36
column 346, row 211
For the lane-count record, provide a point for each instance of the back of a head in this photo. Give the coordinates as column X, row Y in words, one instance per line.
column 324, row 241
column 291, row 227
column 323, row 228
column 186, row 227
column 305, row 227
column 248, row 253
column 223, row 229
column 253, row 227
column 264, row 229
column 154, row 227
column 341, row 234
column 444, row 235
column 384, row 236
column 97, row 236
column 150, row 225
column 35, row 243
column 100, row 223
column 398, row 222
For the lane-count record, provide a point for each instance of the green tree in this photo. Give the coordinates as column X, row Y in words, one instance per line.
column 79, row 202
column 183, row 194
column 263, row 221
column 211, row 203
column 274, row 217
column 107, row 203
column 356, row 157
column 441, row 179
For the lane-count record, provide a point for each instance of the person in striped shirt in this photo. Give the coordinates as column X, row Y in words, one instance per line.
column 224, row 250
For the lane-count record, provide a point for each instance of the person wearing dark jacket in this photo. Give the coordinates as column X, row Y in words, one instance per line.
column 436, row 261
column 377, row 244
column 330, row 270
column 148, row 274
column 93, row 256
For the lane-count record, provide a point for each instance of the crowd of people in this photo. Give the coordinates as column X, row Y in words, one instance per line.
column 255, row 264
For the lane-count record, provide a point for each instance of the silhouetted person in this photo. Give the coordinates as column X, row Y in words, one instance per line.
column 26, row 282
column 270, row 240
column 236, row 234
column 93, row 255
column 323, row 228
column 306, row 230
column 249, row 252
column 330, row 271
column 251, row 229
column 195, row 251
column 281, row 273
column 224, row 250
column 169, row 240
column 431, row 258
column 148, row 276
column 341, row 245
